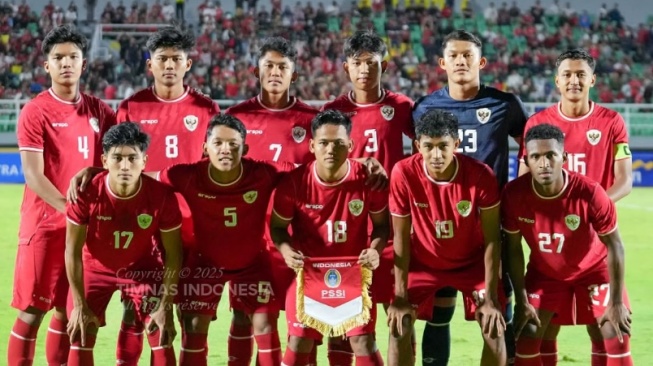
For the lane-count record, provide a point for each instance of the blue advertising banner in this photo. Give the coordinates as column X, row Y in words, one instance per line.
column 11, row 170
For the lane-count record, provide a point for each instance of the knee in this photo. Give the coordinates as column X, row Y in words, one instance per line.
column 300, row 344
column 239, row 318
column 32, row 316
column 193, row 323
column 363, row 345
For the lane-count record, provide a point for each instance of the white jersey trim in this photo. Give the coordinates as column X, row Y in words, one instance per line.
column 73, row 221
column 490, row 207
column 33, row 149
column 140, row 185
column 326, row 184
column 281, row 217
column 226, row 184
column 350, row 96
column 76, row 101
column 569, row 119
column 441, row 183
column 293, row 101
column 399, row 215
column 171, row 229
column 564, row 188
column 510, row 231
column 379, row 211
column 609, row 231
column 179, row 99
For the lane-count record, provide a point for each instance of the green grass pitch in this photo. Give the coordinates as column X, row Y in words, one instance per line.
column 635, row 221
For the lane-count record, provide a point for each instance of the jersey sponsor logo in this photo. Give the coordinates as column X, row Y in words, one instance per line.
column 250, row 196
column 388, row 112
column 60, row 124
column 464, row 208
column 191, row 122
column 526, row 220
column 103, row 218
column 534, row 296
column 356, row 207
column 483, row 115
column 421, row 205
column 349, row 114
column 207, row 196
column 298, row 134
column 314, row 206
column 149, row 121
column 572, row 222
column 332, row 278
column 95, row 124
column 594, row 136
column 144, row 221
column 254, row 132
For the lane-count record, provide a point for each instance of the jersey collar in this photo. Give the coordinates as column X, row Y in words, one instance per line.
column 564, row 188
column 327, row 184
column 442, row 182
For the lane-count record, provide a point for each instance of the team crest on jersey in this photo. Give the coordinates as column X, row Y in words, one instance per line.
column 388, row 112
column 250, row 196
column 144, row 221
column 572, row 222
column 332, row 278
column 594, row 136
column 356, row 207
column 483, row 115
column 464, row 208
column 191, row 122
column 95, row 124
column 298, row 134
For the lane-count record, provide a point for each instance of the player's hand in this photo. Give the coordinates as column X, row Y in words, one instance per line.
column 377, row 177
column 619, row 317
column 80, row 180
column 293, row 258
column 80, row 318
column 162, row 319
column 400, row 315
column 524, row 314
column 370, row 258
column 491, row 319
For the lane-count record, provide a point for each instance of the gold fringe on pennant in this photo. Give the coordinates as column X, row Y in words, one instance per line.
column 338, row 330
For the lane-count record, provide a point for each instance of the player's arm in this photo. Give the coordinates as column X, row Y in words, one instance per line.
column 623, row 173
column 616, row 313
column 283, row 241
column 377, row 177
column 400, row 307
column 378, row 239
column 33, row 170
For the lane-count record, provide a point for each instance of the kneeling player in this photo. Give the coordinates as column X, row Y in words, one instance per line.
column 576, row 266
column 452, row 202
column 328, row 204
column 111, row 232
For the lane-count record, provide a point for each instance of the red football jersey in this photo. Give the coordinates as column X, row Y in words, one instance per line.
column 328, row 219
column 276, row 134
column 562, row 230
column 445, row 215
column 378, row 128
column 69, row 134
column 177, row 128
column 229, row 219
column 589, row 140
column 121, row 231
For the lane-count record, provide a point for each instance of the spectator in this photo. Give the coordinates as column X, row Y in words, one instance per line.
column 503, row 17
column 615, row 16
column 514, row 11
column 537, row 12
column 179, row 10
column 71, row 14
column 168, row 11
column 554, row 9
column 585, row 21
column 491, row 14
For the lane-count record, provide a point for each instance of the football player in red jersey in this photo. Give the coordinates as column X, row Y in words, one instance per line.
column 134, row 212
column 570, row 225
column 316, row 199
column 380, row 119
column 452, row 203
column 597, row 147
column 59, row 132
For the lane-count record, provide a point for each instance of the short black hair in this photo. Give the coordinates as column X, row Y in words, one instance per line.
column 576, row 54
column 462, row 35
column 365, row 41
column 64, row 34
column 125, row 134
column 171, row 37
column 278, row 44
column 331, row 117
column 545, row 131
column 437, row 123
column 227, row 120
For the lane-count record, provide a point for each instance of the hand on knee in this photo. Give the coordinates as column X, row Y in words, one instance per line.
column 363, row 345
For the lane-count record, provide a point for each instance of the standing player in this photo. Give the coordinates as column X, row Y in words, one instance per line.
column 379, row 118
column 176, row 117
column 317, row 199
column 576, row 267
column 134, row 212
column 596, row 146
column 451, row 201
column 59, row 133
column 487, row 118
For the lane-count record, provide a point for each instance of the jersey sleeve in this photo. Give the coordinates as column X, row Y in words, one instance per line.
column 603, row 214
column 174, row 176
column 522, row 146
column 399, row 201
column 214, row 110
column 30, row 130
column 170, row 214
column 122, row 115
column 418, row 109
column 487, row 189
column 620, row 138
column 516, row 116
column 284, row 202
column 78, row 213
column 508, row 220
column 378, row 201
column 108, row 117
column 408, row 127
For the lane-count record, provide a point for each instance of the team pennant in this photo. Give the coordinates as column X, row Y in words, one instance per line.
column 333, row 295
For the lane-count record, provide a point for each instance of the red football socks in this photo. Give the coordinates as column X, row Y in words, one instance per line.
column 549, row 352
column 82, row 356
column 22, row 342
column 130, row 344
column 269, row 349
column 618, row 353
column 193, row 349
column 240, row 345
column 291, row 358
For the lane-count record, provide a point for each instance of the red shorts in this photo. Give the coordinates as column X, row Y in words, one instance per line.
column 581, row 301
column 100, row 284
column 383, row 281
column 201, row 286
column 40, row 272
column 282, row 275
column 423, row 283
column 297, row 329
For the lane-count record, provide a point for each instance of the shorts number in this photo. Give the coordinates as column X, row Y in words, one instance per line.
column 82, row 145
column 118, row 238
column 576, row 163
column 336, row 232
column 595, row 294
column 444, row 229
column 372, row 141
column 172, row 151
column 468, row 142
column 230, row 214
column 277, row 151
column 264, row 290
column 547, row 239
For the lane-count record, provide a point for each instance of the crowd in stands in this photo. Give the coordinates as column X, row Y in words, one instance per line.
column 521, row 46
